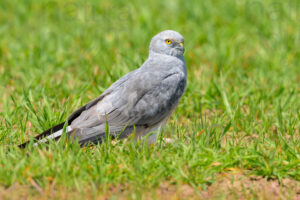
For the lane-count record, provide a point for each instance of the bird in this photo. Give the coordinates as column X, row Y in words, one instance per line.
column 139, row 103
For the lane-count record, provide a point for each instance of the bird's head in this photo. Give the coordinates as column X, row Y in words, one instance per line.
column 168, row 42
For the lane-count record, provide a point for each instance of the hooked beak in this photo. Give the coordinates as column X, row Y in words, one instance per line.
column 181, row 48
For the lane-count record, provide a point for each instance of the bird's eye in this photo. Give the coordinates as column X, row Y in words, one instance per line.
column 168, row 41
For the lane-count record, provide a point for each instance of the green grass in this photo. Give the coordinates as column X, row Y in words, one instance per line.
column 241, row 109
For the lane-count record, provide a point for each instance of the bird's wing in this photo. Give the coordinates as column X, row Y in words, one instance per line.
column 82, row 109
column 113, row 87
column 142, row 101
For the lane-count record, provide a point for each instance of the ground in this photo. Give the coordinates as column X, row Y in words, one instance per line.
column 227, row 186
column 235, row 133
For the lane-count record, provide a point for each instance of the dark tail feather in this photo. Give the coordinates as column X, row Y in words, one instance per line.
column 44, row 134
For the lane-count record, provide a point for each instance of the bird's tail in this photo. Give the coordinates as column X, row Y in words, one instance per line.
column 53, row 133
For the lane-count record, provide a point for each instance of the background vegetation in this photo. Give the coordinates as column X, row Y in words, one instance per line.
column 240, row 112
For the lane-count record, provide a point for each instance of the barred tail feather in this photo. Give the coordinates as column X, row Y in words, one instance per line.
column 55, row 130
column 54, row 136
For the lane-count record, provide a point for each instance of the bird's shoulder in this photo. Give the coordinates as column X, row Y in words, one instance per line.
column 156, row 74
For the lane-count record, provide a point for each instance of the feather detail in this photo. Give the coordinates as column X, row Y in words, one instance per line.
column 55, row 136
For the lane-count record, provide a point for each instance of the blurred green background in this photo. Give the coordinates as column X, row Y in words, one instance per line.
column 241, row 107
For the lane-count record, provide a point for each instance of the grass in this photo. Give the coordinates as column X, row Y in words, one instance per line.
column 240, row 112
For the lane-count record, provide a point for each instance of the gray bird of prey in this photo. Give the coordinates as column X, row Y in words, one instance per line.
column 139, row 102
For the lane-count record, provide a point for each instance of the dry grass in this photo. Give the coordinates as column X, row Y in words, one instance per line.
column 227, row 186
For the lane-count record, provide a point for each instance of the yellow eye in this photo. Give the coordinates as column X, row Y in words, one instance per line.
column 168, row 41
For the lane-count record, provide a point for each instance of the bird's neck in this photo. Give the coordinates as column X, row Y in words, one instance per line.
column 165, row 62
column 154, row 54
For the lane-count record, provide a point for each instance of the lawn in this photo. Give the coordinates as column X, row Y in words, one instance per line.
column 239, row 118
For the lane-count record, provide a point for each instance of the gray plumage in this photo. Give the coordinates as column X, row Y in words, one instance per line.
column 142, row 100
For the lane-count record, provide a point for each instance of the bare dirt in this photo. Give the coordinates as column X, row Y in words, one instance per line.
column 227, row 186
column 238, row 186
